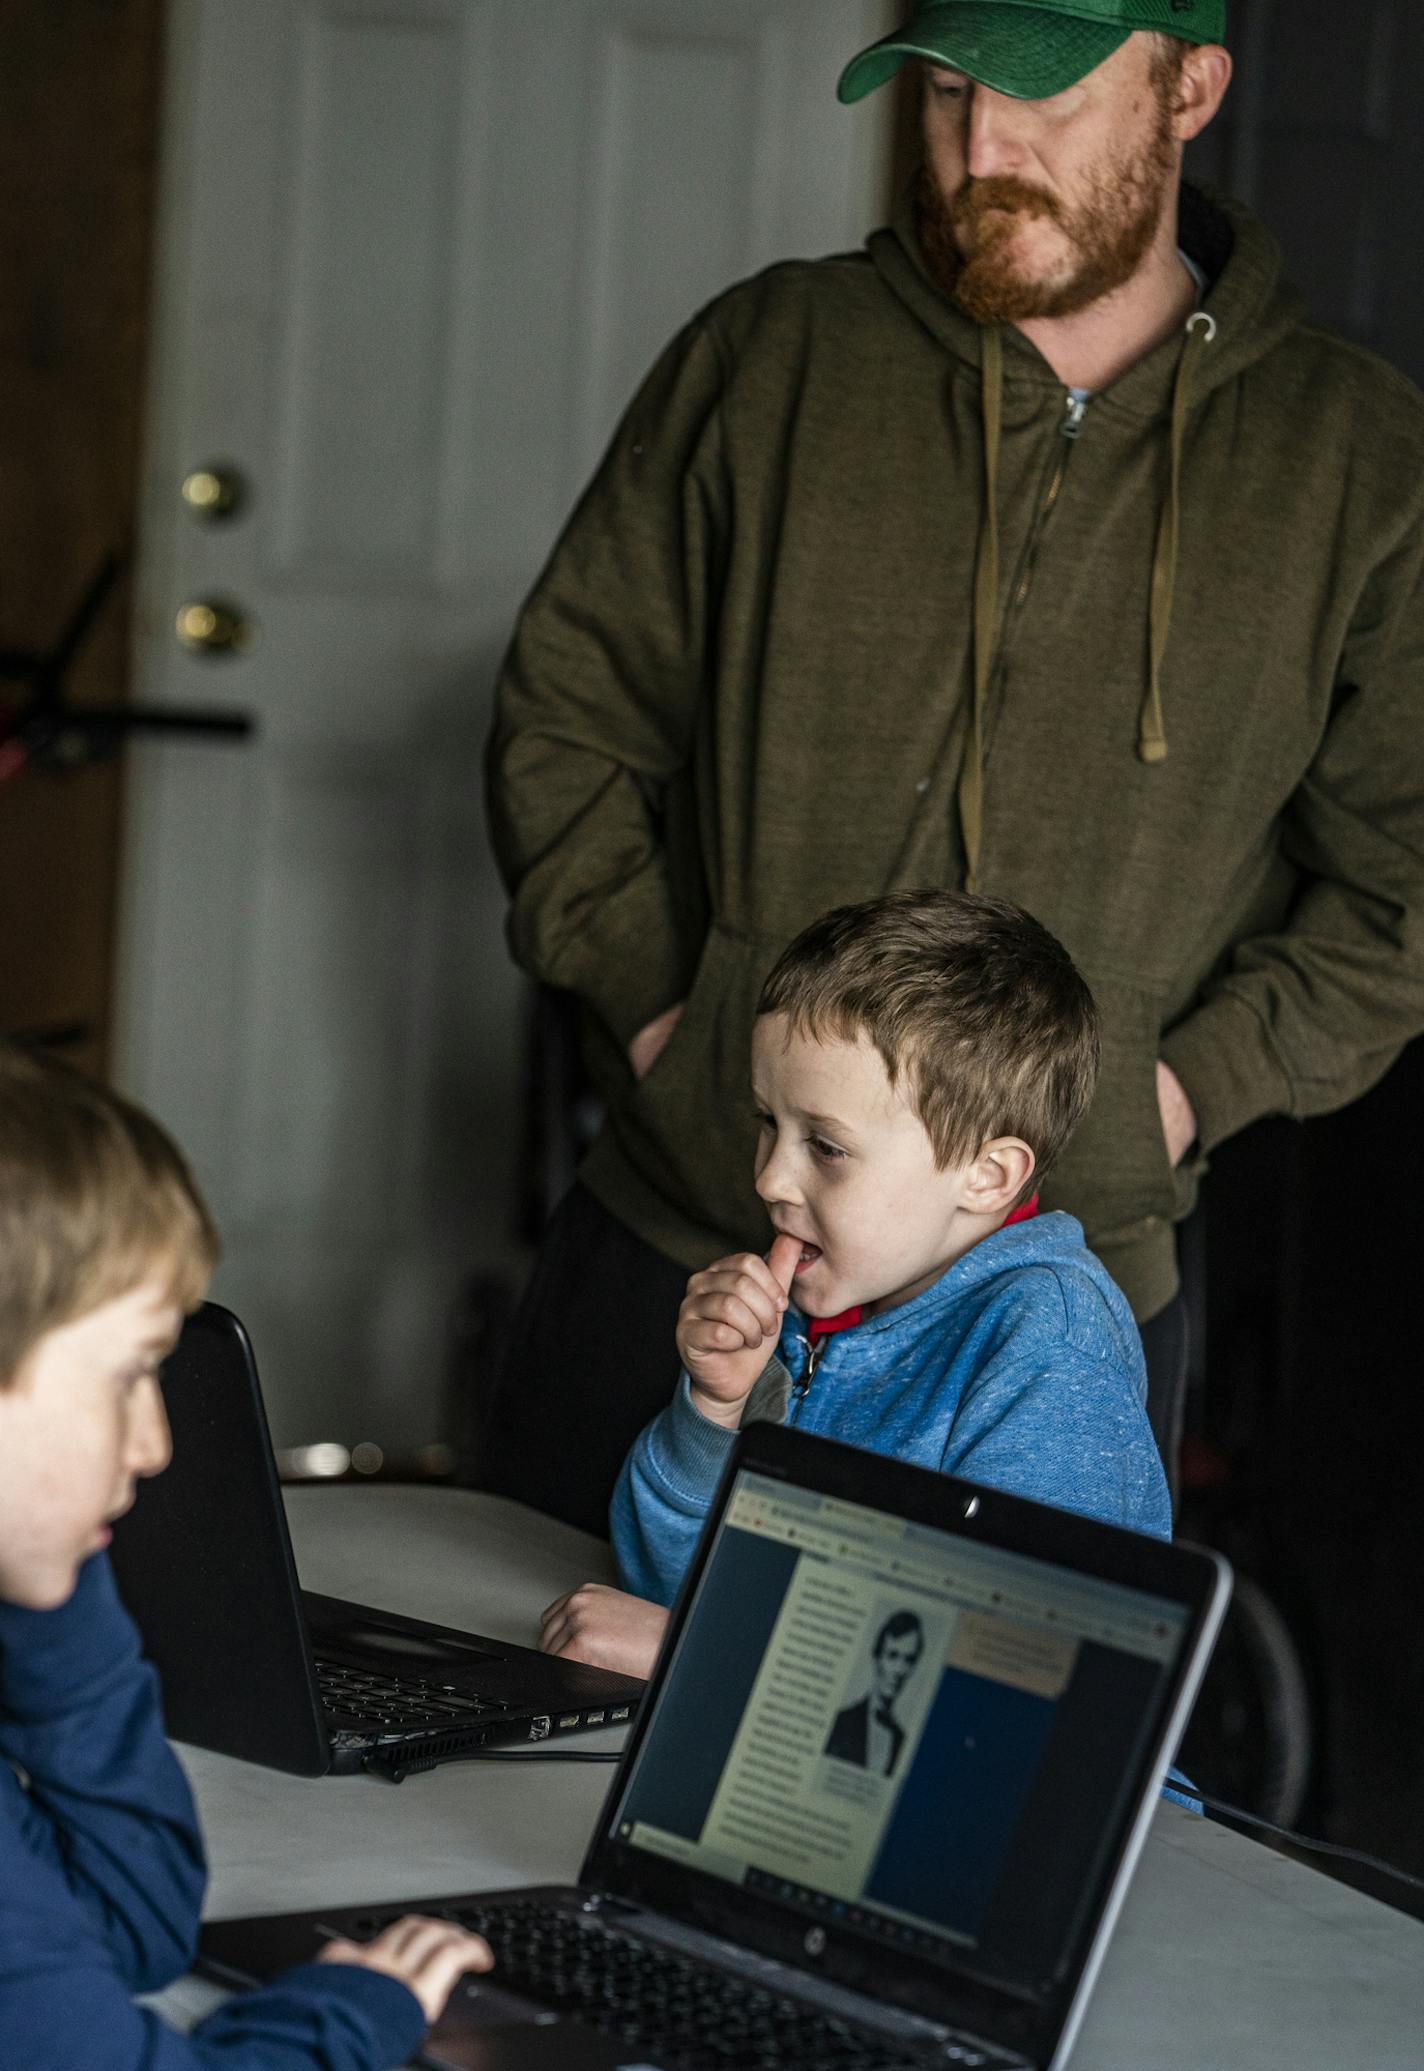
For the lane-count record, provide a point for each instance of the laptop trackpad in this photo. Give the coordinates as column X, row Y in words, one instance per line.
column 487, row 2029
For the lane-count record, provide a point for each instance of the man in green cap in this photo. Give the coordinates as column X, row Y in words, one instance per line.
column 1043, row 547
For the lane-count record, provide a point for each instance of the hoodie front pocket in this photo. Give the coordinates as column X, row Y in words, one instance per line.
column 1115, row 1172
column 689, row 1126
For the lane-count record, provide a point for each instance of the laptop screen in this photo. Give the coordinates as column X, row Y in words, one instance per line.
column 912, row 1735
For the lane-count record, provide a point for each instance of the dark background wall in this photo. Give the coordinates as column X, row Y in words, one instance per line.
column 1312, row 1369
column 1321, row 135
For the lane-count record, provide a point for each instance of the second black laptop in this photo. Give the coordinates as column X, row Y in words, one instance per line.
column 253, row 1665
column 899, row 1754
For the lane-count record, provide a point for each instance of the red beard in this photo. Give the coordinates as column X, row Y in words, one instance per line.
column 1109, row 230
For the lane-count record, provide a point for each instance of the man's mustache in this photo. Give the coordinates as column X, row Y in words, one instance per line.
column 974, row 199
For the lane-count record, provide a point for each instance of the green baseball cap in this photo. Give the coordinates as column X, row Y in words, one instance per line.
column 1027, row 48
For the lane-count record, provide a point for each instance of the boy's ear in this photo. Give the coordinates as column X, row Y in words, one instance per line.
column 1000, row 1173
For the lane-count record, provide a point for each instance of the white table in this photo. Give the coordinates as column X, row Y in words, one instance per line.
column 1227, row 1957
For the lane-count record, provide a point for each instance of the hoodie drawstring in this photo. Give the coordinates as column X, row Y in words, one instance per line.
column 1151, row 732
column 986, row 605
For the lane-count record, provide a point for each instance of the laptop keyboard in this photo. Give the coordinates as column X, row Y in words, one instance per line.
column 359, row 1696
column 681, row 2012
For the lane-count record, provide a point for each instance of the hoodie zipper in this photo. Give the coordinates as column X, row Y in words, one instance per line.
column 815, row 1348
column 1070, row 429
column 1073, row 416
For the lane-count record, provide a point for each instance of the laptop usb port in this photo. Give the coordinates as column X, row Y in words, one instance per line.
column 616, row 1718
column 595, row 1718
column 570, row 1718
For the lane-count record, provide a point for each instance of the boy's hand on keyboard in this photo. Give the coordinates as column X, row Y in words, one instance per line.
column 729, row 1324
column 605, row 1627
column 428, row 1957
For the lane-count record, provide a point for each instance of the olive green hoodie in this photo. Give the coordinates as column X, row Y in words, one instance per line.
column 742, row 693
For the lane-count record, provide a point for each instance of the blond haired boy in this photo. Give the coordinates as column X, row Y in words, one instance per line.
column 918, row 1061
column 104, row 1243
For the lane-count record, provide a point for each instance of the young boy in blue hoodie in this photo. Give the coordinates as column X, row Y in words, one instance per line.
column 918, row 1061
column 104, row 1243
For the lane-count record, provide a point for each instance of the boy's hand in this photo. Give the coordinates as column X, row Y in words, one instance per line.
column 429, row 1957
column 649, row 1043
column 605, row 1627
column 729, row 1323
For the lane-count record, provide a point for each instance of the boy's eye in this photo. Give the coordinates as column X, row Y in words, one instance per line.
column 830, row 1152
column 762, row 1119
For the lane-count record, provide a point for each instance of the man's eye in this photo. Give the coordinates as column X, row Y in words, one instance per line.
column 948, row 89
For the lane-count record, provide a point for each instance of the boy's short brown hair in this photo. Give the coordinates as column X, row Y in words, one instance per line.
column 970, row 998
column 94, row 1196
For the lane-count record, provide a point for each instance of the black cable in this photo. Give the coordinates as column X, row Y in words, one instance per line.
column 396, row 1769
column 1309, row 1842
column 1186, row 1790
column 520, row 1754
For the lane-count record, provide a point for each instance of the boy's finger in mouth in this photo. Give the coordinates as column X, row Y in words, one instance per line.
column 809, row 1252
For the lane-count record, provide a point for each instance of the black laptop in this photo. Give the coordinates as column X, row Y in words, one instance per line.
column 897, row 1760
column 254, row 1665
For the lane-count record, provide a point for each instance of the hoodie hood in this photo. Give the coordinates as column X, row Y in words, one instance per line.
column 1243, row 313
column 1253, row 307
column 1053, row 1241
column 1021, row 1368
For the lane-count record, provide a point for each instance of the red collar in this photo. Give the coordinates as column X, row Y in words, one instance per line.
column 826, row 1326
column 822, row 1326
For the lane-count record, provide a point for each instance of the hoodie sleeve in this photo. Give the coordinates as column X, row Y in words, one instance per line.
column 102, row 1876
column 663, row 1496
column 597, row 700
column 1307, row 1019
column 71, row 2013
column 1059, row 1422
column 104, row 1824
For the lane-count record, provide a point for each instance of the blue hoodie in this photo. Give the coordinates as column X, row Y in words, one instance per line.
column 102, row 1875
column 1020, row 1368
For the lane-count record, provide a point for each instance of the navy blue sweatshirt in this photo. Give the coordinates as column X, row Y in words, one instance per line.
column 102, row 1876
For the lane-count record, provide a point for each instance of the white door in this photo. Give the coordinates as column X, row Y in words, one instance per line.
column 415, row 256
